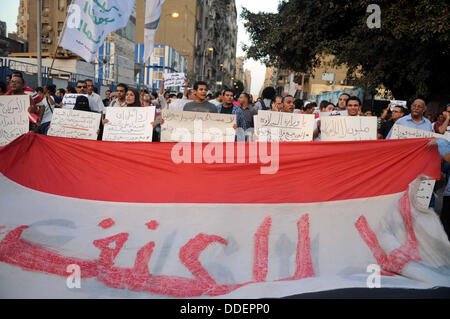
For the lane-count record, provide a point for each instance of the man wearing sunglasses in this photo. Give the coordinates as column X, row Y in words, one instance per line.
column 397, row 113
column 81, row 87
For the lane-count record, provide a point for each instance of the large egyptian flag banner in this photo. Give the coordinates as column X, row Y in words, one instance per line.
column 90, row 219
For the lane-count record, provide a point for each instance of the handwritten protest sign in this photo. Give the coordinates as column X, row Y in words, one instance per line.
column 69, row 100
column 333, row 113
column 75, row 124
column 89, row 22
column 130, row 124
column 425, row 191
column 403, row 132
column 174, row 79
column 397, row 103
column 178, row 104
column 181, row 126
column 284, row 127
column 13, row 117
column 348, row 128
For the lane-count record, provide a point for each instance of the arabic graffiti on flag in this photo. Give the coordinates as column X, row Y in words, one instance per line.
column 30, row 256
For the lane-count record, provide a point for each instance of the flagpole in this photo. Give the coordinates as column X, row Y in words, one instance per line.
column 51, row 66
column 145, row 16
column 56, row 50
column 38, row 44
column 143, row 79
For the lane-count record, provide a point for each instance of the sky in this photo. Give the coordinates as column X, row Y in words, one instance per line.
column 9, row 15
column 258, row 70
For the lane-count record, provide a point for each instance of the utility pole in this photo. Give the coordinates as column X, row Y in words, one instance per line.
column 334, row 82
column 39, row 52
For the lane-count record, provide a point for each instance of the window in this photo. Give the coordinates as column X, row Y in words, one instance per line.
column 158, row 75
column 159, row 51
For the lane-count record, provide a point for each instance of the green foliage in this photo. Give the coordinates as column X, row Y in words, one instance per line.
column 238, row 88
column 407, row 54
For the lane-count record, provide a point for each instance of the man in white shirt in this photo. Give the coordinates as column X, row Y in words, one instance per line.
column 119, row 101
column 218, row 100
column 342, row 102
column 353, row 106
column 95, row 101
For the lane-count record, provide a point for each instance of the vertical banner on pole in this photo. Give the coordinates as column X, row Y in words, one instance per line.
column 152, row 17
column 89, row 22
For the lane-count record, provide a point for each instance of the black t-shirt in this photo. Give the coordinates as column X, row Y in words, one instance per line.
column 226, row 110
column 385, row 128
column 106, row 102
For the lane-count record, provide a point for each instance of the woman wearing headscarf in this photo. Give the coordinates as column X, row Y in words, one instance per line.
column 82, row 104
column 132, row 99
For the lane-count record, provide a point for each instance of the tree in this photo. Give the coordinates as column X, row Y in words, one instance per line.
column 406, row 55
column 238, row 88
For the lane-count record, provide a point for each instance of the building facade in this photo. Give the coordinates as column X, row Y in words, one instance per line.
column 115, row 62
column 3, row 29
column 204, row 32
column 216, row 43
column 239, row 75
column 53, row 15
column 308, row 85
column 164, row 59
column 247, row 81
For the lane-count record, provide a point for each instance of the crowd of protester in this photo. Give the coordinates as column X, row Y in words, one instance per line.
column 44, row 100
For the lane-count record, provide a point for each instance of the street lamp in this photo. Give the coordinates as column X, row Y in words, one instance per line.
column 174, row 15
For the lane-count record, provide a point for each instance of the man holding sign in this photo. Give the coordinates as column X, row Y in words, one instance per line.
column 415, row 119
column 288, row 104
column 174, row 79
column 227, row 107
column 17, row 85
column 353, row 106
